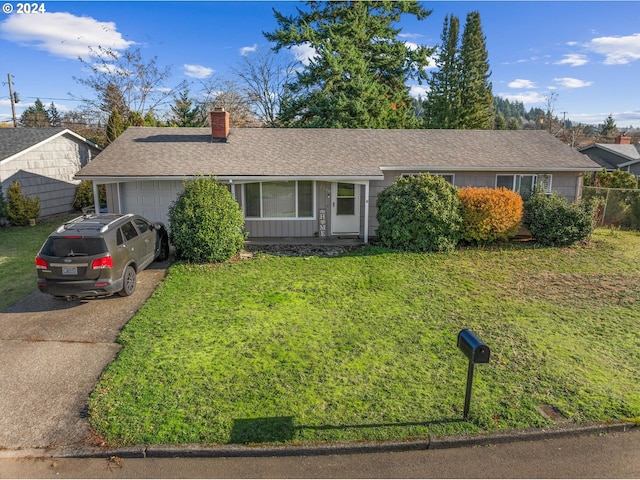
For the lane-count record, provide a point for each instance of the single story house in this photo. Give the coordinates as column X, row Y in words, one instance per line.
column 321, row 182
column 44, row 161
column 621, row 155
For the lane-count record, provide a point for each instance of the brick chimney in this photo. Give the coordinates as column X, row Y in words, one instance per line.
column 219, row 124
column 622, row 140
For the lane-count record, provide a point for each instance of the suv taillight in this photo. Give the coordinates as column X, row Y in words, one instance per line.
column 100, row 263
column 41, row 264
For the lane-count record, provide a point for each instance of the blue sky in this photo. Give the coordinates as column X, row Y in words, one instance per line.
column 586, row 53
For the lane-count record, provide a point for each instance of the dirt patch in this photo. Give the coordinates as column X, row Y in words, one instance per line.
column 572, row 288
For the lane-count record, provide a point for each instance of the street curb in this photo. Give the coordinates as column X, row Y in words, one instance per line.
column 346, row 448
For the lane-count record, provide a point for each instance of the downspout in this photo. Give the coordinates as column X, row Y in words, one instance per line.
column 96, row 197
column 366, row 212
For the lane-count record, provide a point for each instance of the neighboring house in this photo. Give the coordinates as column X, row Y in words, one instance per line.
column 44, row 162
column 321, row 182
column 619, row 155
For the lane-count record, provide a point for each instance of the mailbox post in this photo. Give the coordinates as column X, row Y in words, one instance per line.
column 477, row 352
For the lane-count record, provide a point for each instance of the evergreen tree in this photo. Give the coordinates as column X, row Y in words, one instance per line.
column 115, row 125
column 608, row 128
column 54, row 116
column 357, row 77
column 35, row 116
column 442, row 108
column 476, row 95
column 184, row 113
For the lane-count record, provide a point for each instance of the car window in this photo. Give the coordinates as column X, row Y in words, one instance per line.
column 142, row 225
column 129, row 231
column 119, row 238
column 72, row 247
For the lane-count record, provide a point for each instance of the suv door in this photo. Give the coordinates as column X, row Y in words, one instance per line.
column 135, row 244
column 149, row 234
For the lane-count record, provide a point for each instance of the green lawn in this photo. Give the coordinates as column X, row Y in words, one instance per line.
column 363, row 347
column 18, row 249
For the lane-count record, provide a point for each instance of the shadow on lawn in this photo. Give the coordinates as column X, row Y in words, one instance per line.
column 282, row 429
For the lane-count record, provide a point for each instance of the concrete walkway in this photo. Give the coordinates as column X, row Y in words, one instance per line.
column 52, row 353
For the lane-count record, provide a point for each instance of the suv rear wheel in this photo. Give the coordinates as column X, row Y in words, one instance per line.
column 129, row 281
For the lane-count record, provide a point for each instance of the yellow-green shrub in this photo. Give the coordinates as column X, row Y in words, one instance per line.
column 489, row 214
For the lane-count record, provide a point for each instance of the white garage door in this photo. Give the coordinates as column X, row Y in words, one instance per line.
column 151, row 199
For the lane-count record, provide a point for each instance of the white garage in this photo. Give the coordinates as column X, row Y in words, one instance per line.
column 149, row 198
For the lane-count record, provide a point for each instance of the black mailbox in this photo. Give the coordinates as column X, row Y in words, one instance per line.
column 474, row 348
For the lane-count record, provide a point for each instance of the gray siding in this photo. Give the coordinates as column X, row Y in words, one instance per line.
column 291, row 227
column 47, row 172
column 568, row 184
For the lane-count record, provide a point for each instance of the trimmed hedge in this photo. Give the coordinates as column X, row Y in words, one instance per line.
column 206, row 223
column 554, row 221
column 490, row 214
column 419, row 214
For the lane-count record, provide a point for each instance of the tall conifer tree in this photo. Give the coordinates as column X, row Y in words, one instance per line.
column 357, row 77
column 442, row 107
column 477, row 111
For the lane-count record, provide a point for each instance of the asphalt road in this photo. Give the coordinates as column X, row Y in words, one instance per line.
column 606, row 456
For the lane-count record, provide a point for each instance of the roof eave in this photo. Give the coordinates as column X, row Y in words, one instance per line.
column 502, row 168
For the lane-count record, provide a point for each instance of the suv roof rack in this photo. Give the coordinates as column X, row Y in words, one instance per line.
column 98, row 222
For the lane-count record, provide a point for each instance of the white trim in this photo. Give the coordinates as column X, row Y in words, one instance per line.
column 47, row 140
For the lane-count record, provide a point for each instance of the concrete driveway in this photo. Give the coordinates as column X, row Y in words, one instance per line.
column 52, row 353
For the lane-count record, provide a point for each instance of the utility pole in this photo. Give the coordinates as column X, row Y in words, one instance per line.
column 13, row 104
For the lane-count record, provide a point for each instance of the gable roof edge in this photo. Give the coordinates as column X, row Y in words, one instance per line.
column 47, row 140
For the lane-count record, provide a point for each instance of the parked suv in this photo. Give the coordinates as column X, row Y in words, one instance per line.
column 99, row 254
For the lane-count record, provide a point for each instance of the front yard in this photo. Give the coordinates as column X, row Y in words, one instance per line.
column 290, row 350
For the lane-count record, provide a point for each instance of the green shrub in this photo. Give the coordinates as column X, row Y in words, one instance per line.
column 489, row 214
column 206, row 223
column 554, row 221
column 84, row 195
column 21, row 208
column 419, row 214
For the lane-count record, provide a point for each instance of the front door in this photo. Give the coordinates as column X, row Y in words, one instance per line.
column 345, row 208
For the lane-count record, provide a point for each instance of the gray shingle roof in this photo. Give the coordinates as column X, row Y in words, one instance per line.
column 15, row 140
column 178, row 152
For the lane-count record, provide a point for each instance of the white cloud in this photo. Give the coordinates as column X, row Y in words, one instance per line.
column 572, row 82
column 573, row 59
column 617, row 50
column 62, row 34
column 304, row 53
column 524, row 97
column 246, row 50
column 521, row 83
column 197, row 71
column 418, row 91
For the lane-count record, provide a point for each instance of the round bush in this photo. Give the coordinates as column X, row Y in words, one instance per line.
column 489, row 214
column 206, row 223
column 554, row 221
column 419, row 214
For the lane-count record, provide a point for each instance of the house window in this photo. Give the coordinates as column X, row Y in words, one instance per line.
column 284, row 199
column 524, row 184
column 449, row 177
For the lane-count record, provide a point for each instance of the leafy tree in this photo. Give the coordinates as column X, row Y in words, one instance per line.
column 615, row 179
column 35, row 116
column 442, row 108
column 206, row 222
column 476, row 95
column 357, row 77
